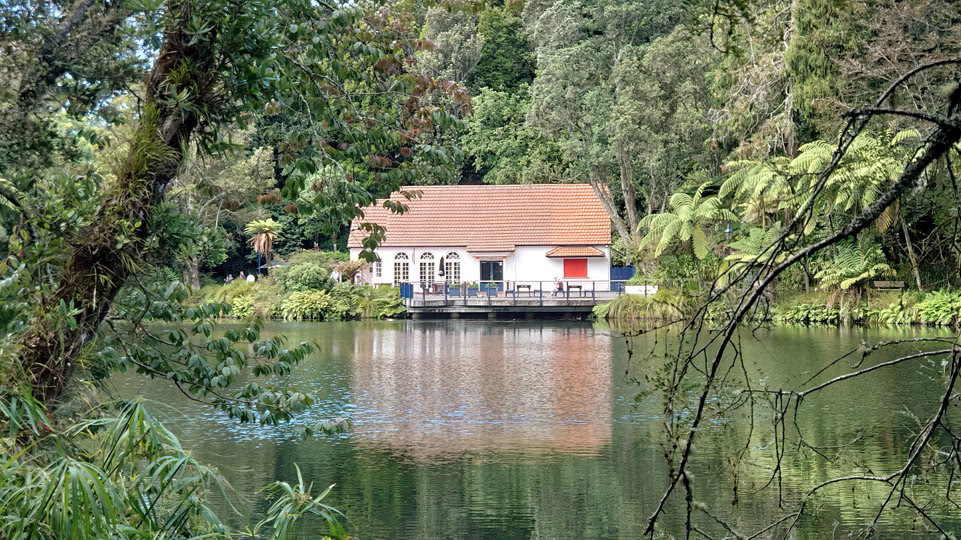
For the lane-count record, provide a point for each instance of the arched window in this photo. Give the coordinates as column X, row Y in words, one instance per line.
column 427, row 267
column 401, row 268
column 452, row 267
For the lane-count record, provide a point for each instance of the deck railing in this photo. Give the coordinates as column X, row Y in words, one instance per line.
column 516, row 292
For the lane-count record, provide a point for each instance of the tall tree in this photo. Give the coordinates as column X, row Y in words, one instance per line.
column 582, row 89
column 214, row 60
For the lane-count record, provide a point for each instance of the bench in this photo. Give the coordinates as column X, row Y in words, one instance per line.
column 888, row 285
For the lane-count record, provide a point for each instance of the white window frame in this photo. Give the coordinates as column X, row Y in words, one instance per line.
column 401, row 268
column 452, row 267
column 427, row 267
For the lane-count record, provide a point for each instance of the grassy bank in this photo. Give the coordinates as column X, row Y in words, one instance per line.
column 935, row 308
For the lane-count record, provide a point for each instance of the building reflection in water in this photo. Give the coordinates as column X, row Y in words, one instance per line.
column 443, row 390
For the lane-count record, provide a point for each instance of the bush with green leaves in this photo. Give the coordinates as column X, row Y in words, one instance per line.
column 809, row 314
column 242, row 307
column 327, row 259
column 303, row 277
column 683, row 267
column 344, row 302
column 226, row 293
column 664, row 305
column 117, row 472
column 380, row 303
column 305, row 306
column 940, row 308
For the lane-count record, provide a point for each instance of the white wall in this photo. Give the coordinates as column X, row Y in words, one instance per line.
column 527, row 264
column 530, row 263
column 469, row 268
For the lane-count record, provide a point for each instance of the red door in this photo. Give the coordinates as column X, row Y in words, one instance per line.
column 575, row 268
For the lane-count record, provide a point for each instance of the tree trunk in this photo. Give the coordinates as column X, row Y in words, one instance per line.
column 192, row 273
column 627, row 186
column 807, row 276
column 98, row 267
column 605, row 197
column 911, row 256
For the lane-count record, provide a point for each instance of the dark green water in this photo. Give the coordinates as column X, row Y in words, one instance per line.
column 504, row 430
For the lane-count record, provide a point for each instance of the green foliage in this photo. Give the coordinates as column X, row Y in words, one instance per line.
column 305, row 305
column 503, row 147
column 809, row 314
column 290, row 503
column 506, row 61
column 686, row 223
column 327, row 259
column 117, row 474
column 303, row 277
column 380, row 303
column 242, row 306
column 664, row 305
column 685, row 268
column 851, row 266
column 941, row 308
column 936, row 308
column 225, row 294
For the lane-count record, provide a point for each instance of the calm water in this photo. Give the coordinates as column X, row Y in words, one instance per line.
column 503, row 430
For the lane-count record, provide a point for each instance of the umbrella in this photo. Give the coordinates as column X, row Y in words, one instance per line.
column 440, row 269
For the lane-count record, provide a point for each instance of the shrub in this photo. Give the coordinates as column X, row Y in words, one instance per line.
column 684, row 267
column 242, row 307
column 809, row 314
column 326, row 259
column 665, row 305
column 382, row 302
column 268, row 298
column 303, row 277
column 940, row 308
column 226, row 293
column 305, row 305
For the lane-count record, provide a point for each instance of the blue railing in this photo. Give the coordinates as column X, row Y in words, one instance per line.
column 501, row 293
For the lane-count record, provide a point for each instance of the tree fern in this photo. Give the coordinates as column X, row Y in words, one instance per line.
column 685, row 223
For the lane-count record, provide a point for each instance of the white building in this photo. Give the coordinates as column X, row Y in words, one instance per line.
column 525, row 234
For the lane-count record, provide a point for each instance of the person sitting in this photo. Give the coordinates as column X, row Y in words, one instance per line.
column 251, row 278
column 229, row 278
column 558, row 287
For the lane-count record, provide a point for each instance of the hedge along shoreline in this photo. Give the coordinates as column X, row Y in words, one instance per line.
column 935, row 308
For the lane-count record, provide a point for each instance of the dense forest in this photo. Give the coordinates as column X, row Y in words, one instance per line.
column 150, row 147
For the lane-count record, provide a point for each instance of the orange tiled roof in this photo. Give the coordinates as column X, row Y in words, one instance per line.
column 492, row 217
column 575, row 251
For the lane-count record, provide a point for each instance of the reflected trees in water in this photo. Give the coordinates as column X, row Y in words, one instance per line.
column 705, row 379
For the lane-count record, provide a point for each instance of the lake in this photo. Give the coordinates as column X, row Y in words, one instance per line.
column 503, row 430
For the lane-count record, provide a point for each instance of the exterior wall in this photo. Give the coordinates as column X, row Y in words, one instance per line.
column 469, row 267
column 527, row 264
column 530, row 264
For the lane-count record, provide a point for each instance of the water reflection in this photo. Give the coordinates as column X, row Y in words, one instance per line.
column 470, row 429
column 440, row 390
